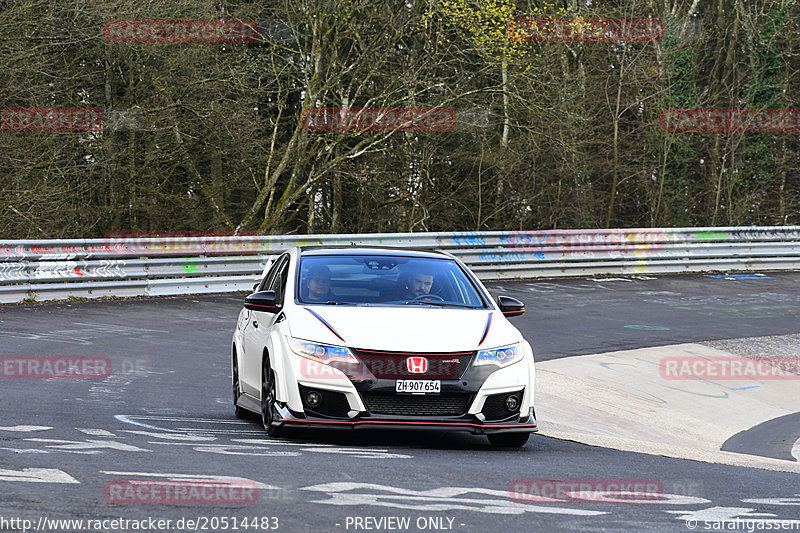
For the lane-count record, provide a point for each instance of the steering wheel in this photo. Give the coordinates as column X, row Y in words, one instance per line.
column 429, row 297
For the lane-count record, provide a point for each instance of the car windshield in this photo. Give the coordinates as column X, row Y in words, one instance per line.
column 385, row 280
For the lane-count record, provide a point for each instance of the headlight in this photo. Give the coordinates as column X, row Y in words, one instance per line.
column 323, row 353
column 500, row 356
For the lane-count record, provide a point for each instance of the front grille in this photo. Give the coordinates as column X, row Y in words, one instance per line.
column 334, row 404
column 494, row 408
column 417, row 405
column 393, row 365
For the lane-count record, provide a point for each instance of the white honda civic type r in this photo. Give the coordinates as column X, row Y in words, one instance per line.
column 356, row 337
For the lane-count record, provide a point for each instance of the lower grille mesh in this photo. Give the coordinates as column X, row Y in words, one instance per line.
column 417, row 405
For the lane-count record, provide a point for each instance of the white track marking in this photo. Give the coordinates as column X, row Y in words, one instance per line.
column 172, row 436
column 135, row 420
column 88, row 445
column 265, row 451
column 434, row 500
column 243, row 450
column 24, row 450
column 24, row 429
column 37, row 475
column 187, row 477
column 96, row 432
column 796, row 450
column 721, row 514
column 793, row 501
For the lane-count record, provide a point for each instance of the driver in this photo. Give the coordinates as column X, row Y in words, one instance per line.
column 420, row 283
column 416, row 283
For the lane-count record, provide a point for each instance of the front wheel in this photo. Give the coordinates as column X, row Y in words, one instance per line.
column 508, row 440
column 267, row 401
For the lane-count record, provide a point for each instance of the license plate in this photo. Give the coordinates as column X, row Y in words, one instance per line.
column 419, row 386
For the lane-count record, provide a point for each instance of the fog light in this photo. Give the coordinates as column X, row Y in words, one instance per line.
column 512, row 403
column 313, row 399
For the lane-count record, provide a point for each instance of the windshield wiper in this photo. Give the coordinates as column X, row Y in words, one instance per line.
column 436, row 303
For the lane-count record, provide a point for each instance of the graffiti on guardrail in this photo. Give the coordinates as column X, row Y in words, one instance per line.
column 190, row 267
column 621, row 240
column 586, row 241
column 106, row 268
column 710, row 235
column 568, row 245
column 13, row 271
column 310, row 242
column 757, row 234
column 510, row 257
column 517, row 239
column 469, row 238
column 9, row 251
column 58, row 250
column 191, row 242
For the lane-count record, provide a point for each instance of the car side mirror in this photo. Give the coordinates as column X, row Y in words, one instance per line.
column 262, row 301
column 510, row 306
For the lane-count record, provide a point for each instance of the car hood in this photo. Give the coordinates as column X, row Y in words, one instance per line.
column 411, row 329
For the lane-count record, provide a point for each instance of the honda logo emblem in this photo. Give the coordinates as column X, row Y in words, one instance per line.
column 417, row 365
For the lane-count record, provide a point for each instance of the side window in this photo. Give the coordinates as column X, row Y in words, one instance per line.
column 278, row 281
column 270, row 274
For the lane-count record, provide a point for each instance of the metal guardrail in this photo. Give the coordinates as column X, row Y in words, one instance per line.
column 134, row 266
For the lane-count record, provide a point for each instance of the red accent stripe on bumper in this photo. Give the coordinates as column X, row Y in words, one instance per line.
column 470, row 424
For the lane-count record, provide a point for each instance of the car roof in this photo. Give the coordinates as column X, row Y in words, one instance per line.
column 371, row 250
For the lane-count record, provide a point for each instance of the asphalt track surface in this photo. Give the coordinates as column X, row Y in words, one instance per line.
column 164, row 413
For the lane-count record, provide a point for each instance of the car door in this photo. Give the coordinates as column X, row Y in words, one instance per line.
column 256, row 330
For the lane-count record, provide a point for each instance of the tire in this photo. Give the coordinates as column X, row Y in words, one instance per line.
column 240, row 412
column 267, row 401
column 508, row 440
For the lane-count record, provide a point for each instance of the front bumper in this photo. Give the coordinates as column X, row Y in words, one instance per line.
column 470, row 401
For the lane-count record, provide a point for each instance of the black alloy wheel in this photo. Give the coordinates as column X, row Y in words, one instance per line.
column 268, row 400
